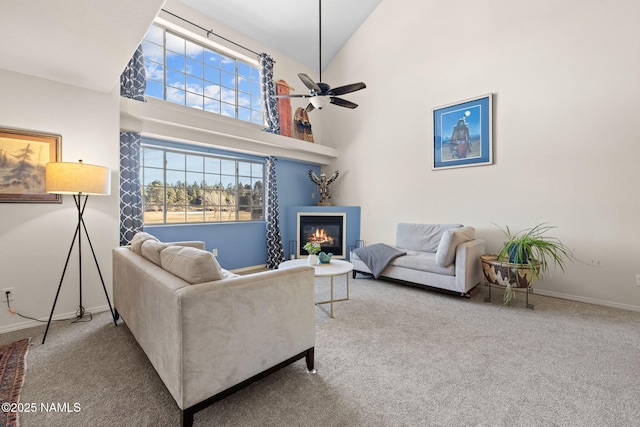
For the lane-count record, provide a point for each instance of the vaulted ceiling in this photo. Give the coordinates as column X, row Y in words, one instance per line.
column 88, row 43
column 78, row 42
column 291, row 26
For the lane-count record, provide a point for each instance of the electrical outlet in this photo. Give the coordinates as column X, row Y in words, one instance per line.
column 214, row 252
column 637, row 279
column 11, row 294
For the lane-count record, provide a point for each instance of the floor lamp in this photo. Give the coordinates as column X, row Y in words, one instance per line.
column 80, row 180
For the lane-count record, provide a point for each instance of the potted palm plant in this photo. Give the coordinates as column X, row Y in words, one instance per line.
column 525, row 257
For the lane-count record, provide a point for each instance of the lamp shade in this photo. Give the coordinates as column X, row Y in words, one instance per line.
column 75, row 178
column 320, row 101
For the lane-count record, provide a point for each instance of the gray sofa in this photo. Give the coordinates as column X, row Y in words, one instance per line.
column 443, row 256
column 209, row 338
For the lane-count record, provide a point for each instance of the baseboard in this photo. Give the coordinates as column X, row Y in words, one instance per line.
column 32, row 323
column 586, row 300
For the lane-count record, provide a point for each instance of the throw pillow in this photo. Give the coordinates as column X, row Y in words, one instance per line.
column 138, row 239
column 421, row 237
column 450, row 240
column 190, row 264
column 151, row 250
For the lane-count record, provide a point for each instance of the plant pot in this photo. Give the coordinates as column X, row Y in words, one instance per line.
column 514, row 258
column 313, row 259
column 508, row 274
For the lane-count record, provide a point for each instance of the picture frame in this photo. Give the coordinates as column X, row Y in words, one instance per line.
column 23, row 156
column 462, row 133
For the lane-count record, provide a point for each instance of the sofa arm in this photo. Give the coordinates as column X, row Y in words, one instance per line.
column 233, row 329
column 468, row 266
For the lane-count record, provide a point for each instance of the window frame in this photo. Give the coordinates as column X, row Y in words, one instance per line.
column 244, row 101
column 216, row 209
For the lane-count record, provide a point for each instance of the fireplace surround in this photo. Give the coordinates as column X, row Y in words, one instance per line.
column 291, row 237
column 328, row 229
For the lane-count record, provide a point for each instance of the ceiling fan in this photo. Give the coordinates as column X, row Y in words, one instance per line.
column 322, row 94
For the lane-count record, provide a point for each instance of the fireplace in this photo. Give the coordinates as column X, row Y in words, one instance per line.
column 328, row 229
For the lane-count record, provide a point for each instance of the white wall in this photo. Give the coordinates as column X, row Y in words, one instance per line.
column 565, row 81
column 35, row 238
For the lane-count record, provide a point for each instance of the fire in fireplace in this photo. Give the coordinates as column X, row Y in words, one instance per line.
column 326, row 229
column 321, row 237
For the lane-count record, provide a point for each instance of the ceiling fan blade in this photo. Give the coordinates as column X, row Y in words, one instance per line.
column 343, row 102
column 309, row 83
column 292, row 95
column 309, row 108
column 341, row 90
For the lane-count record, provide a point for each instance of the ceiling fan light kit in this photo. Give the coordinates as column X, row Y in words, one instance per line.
column 320, row 102
column 321, row 94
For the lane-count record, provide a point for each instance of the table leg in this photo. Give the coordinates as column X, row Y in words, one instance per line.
column 347, row 285
column 331, row 296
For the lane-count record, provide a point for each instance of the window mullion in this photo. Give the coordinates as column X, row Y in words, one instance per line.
column 237, row 85
column 164, row 65
column 164, row 186
column 236, row 192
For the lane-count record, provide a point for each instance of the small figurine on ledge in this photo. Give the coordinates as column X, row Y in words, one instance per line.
column 323, row 183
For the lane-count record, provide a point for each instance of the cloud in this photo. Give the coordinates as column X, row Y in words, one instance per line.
column 154, row 71
column 244, row 100
column 228, row 96
column 153, row 52
column 175, row 95
column 212, row 91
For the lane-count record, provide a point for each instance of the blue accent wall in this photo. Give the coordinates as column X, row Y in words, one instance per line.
column 242, row 244
column 238, row 244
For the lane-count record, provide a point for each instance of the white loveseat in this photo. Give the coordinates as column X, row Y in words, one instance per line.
column 443, row 256
column 206, row 331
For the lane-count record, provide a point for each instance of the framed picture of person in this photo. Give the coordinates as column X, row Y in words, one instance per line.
column 462, row 134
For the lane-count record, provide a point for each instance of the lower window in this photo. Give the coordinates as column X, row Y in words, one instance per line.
column 190, row 187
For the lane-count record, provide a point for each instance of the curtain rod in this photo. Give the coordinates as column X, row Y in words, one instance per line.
column 210, row 32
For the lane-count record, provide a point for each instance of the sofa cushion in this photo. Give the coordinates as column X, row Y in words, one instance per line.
column 138, row 239
column 423, row 261
column 190, row 264
column 421, row 237
column 151, row 249
column 446, row 253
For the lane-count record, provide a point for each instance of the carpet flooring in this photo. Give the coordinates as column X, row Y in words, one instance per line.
column 394, row 355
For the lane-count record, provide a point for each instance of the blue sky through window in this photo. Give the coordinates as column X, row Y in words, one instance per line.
column 187, row 73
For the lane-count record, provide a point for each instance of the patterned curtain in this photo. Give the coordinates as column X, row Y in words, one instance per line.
column 133, row 80
column 268, row 92
column 130, row 195
column 133, row 83
column 275, row 250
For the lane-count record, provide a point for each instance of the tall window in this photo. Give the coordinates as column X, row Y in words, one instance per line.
column 186, row 187
column 188, row 73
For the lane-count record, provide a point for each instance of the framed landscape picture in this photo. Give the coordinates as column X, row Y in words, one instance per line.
column 23, row 156
column 462, row 134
